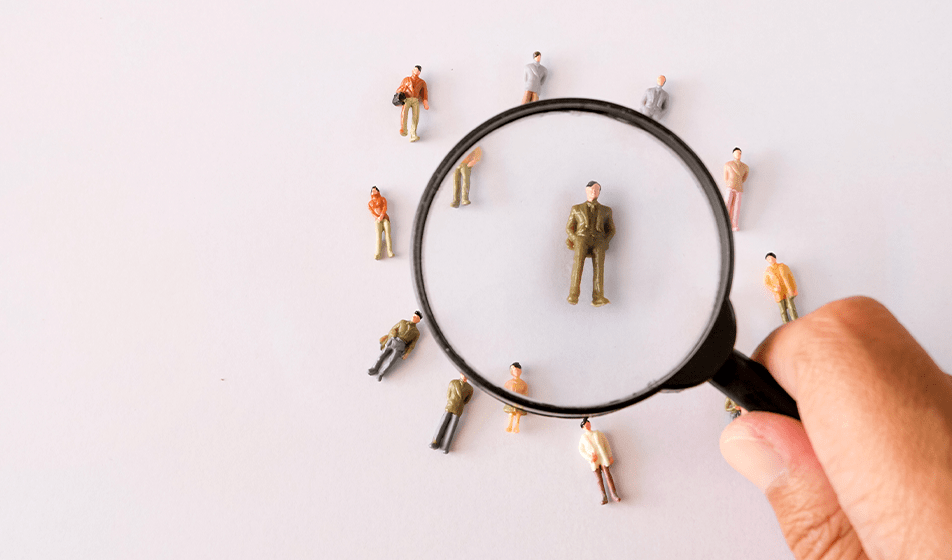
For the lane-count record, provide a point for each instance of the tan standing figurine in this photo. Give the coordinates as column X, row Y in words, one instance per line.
column 461, row 177
column 414, row 89
column 735, row 173
column 378, row 208
column 516, row 385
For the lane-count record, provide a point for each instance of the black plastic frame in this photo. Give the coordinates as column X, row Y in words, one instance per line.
column 714, row 347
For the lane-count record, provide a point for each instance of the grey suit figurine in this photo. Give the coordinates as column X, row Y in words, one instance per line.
column 589, row 230
column 535, row 77
column 654, row 103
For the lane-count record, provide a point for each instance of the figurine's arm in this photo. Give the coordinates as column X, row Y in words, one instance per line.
column 791, row 280
column 609, row 229
column 586, row 450
column 403, row 85
column 426, row 98
column 468, row 396
column 570, row 229
column 383, row 209
column 411, row 346
column 389, row 335
column 545, row 74
column 603, row 441
column 746, row 173
column 727, row 173
column 644, row 99
column 771, row 284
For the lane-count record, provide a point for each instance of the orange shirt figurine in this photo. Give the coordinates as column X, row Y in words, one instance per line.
column 378, row 207
column 414, row 88
column 516, row 385
column 780, row 282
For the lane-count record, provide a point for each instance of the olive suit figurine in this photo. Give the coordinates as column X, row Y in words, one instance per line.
column 401, row 340
column 589, row 230
column 458, row 395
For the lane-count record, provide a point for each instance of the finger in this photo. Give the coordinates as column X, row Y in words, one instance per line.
column 879, row 414
column 773, row 452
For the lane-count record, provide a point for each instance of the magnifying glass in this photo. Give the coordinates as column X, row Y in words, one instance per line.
column 494, row 278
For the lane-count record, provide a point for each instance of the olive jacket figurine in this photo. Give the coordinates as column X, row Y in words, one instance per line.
column 401, row 339
column 535, row 76
column 461, row 177
column 654, row 103
column 516, row 385
column 779, row 280
column 590, row 229
column 458, row 395
column 735, row 173
column 378, row 208
column 414, row 88
column 594, row 448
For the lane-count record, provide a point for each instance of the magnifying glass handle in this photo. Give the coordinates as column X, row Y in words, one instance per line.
column 751, row 386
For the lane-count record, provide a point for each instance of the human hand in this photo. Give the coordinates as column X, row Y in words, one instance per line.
column 868, row 474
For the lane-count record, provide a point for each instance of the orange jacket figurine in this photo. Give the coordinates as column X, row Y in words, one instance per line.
column 414, row 88
column 779, row 280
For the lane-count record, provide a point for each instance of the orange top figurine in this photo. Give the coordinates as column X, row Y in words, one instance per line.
column 516, row 385
column 779, row 280
column 414, row 88
column 378, row 207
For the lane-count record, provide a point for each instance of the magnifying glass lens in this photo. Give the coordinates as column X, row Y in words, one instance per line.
column 498, row 271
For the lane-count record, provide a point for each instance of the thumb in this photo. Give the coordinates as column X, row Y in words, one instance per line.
column 774, row 453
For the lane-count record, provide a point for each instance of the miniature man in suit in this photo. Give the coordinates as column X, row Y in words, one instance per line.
column 461, row 177
column 735, row 173
column 535, row 76
column 415, row 89
column 594, row 448
column 400, row 340
column 779, row 280
column 654, row 103
column 457, row 395
column 589, row 230
column 378, row 207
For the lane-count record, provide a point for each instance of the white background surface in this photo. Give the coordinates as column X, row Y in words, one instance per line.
column 188, row 299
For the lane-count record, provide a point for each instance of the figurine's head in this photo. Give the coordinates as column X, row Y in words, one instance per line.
column 462, row 377
column 736, row 153
column 591, row 190
column 416, row 317
column 374, row 192
column 661, row 80
column 771, row 258
column 416, row 70
column 586, row 425
column 515, row 369
column 537, row 56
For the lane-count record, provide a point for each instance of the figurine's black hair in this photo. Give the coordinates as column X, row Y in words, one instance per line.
column 517, row 364
column 590, row 183
column 736, row 149
column 584, row 420
column 769, row 255
column 374, row 188
column 418, row 67
column 418, row 314
column 535, row 54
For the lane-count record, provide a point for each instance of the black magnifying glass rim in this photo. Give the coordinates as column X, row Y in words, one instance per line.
column 579, row 105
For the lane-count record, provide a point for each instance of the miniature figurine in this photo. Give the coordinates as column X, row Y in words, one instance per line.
column 654, row 103
column 735, row 173
column 779, row 280
column 414, row 88
column 461, row 177
column 594, row 448
column 457, row 395
column 400, row 340
column 516, row 385
column 731, row 406
column 590, row 228
column 535, row 76
column 378, row 207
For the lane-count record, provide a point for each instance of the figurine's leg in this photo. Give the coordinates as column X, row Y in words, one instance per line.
column 386, row 234
column 450, row 433
column 415, row 119
column 577, row 266
column 404, row 109
column 611, row 483
column 515, row 428
column 601, row 485
column 792, row 309
column 466, row 170
column 598, row 278
column 384, row 354
column 457, row 173
column 396, row 347
column 379, row 227
column 783, row 311
column 733, row 208
column 511, row 417
column 526, row 97
column 440, row 434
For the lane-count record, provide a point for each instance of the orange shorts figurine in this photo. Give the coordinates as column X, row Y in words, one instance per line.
column 516, row 385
